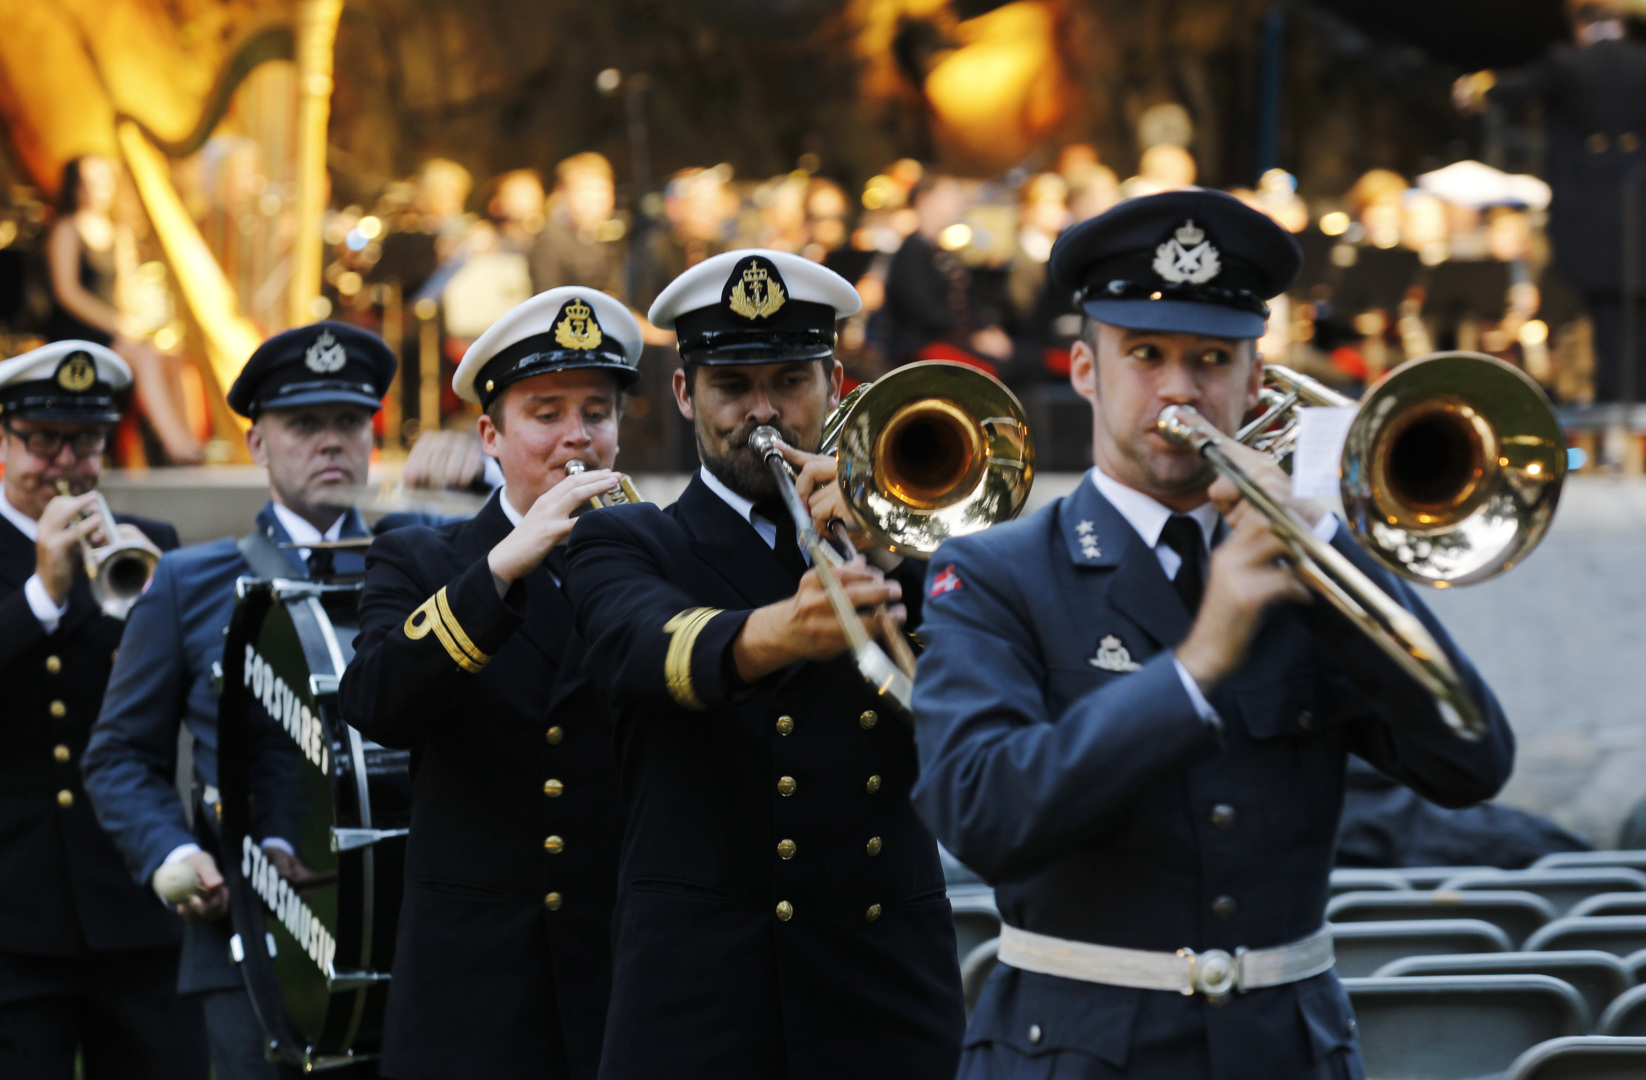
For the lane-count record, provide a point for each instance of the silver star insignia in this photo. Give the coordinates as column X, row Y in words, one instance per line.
column 1084, row 528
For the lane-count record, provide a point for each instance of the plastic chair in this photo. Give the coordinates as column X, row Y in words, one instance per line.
column 1456, row 1027
column 1567, row 860
column 975, row 970
column 976, row 918
column 1517, row 914
column 1562, row 888
column 1600, row 977
column 1619, row 935
column 1363, row 947
column 1609, row 903
column 1590, row 1058
column 1430, row 877
column 1626, row 1015
column 1351, row 879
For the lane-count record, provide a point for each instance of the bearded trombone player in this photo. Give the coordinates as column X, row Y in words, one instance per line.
column 1133, row 721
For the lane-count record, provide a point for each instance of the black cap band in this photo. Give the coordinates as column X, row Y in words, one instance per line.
column 42, row 400
column 1240, row 299
column 542, row 353
column 799, row 330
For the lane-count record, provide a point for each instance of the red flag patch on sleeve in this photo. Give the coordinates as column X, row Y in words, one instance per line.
column 947, row 581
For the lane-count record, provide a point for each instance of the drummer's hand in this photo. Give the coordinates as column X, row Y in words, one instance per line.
column 57, row 548
column 443, row 459
column 820, row 492
column 1271, row 478
column 546, row 524
column 289, row 866
column 211, row 901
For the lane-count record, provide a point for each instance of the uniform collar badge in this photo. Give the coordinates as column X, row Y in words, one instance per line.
column 1113, row 656
column 1089, row 548
column 756, row 289
column 77, row 372
column 945, row 582
column 326, row 356
column 577, row 327
column 1187, row 256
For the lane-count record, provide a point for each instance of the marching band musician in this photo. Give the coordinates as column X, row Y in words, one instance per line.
column 1132, row 720
column 467, row 657
column 310, row 394
column 88, row 960
column 780, row 912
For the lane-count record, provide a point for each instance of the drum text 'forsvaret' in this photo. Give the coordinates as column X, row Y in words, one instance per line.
column 282, row 704
column 303, row 924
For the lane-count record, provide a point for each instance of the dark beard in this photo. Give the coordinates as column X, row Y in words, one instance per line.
column 740, row 470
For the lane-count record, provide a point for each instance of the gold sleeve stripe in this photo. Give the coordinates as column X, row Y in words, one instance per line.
column 436, row 617
column 677, row 665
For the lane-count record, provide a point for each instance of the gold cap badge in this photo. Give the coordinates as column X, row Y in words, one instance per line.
column 77, row 373
column 577, row 328
column 758, row 294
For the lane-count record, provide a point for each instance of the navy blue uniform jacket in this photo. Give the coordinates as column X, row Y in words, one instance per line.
column 503, row 961
column 1105, row 809
column 163, row 680
column 780, row 909
column 68, row 892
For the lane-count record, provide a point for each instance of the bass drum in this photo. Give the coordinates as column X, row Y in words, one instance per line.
column 314, row 934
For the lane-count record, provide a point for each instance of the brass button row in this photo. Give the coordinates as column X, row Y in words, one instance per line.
column 60, row 752
column 785, row 912
column 555, row 734
column 554, row 845
column 65, row 798
column 553, row 788
column 786, row 849
column 872, row 914
column 869, row 719
column 1225, row 908
column 786, row 786
column 1224, row 817
column 873, row 785
column 59, row 710
column 873, row 846
column 53, row 665
column 552, row 901
column 785, row 725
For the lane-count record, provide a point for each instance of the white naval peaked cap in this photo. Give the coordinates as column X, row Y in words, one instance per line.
column 73, row 381
column 755, row 306
column 559, row 330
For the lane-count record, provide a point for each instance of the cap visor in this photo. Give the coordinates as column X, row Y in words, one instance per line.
column 323, row 397
column 1178, row 317
column 66, row 416
column 764, row 354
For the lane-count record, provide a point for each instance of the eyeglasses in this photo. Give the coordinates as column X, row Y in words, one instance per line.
column 48, row 444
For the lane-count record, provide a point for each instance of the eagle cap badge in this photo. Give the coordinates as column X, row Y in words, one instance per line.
column 1187, row 257
column 578, row 328
column 757, row 292
column 77, row 372
column 326, row 355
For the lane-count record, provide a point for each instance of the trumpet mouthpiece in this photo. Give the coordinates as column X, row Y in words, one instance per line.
column 764, row 440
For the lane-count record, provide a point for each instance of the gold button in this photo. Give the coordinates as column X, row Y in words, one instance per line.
column 873, row 846
column 555, row 734
column 785, row 785
column 872, row 914
column 785, row 725
column 1596, row 143
column 785, row 911
column 60, row 752
column 491, row 384
column 58, row 709
column 554, row 845
column 785, row 849
column 869, row 719
column 53, row 665
column 553, row 788
column 65, row 798
column 115, row 655
column 552, row 901
column 874, row 784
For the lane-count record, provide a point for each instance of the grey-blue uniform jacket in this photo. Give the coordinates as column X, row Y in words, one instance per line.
column 162, row 680
column 1105, row 808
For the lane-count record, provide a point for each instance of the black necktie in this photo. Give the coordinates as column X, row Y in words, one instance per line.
column 321, row 564
column 787, row 548
column 1182, row 534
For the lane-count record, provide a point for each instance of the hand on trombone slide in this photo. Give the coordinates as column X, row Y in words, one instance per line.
column 804, row 626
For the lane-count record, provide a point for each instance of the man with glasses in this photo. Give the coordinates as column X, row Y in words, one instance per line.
column 88, row 960
column 310, row 394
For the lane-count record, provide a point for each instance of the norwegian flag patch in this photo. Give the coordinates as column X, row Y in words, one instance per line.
column 947, row 581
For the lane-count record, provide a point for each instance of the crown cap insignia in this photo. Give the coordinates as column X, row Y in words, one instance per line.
column 326, row 356
column 77, row 373
column 1187, row 257
column 578, row 328
column 758, row 292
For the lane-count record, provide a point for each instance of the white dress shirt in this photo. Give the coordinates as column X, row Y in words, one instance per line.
column 34, row 590
column 1148, row 518
column 301, row 532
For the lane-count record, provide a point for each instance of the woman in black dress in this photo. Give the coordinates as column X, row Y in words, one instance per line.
column 89, row 253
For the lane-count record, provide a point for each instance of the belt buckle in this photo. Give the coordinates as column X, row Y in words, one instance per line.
column 1215, row 973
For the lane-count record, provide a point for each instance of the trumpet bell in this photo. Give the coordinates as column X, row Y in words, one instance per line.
column 1452, row 468
column 933, row 450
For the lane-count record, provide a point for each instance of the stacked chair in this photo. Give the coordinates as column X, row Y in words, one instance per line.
column 1462, row 973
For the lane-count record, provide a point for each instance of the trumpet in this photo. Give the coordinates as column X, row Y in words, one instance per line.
column 929, row 451
column 119, row 570
column 1450, row 474
column 625, row 494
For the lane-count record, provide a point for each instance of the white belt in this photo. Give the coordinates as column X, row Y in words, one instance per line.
column 1214, row 972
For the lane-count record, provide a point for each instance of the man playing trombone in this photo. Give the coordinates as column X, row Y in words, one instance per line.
column 467, row 658
column 780, row 912
column 1133, row 721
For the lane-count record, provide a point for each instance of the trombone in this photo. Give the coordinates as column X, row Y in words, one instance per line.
column 929, row 451
column 1450, row 474
column 625, row 494
column 119, row 570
